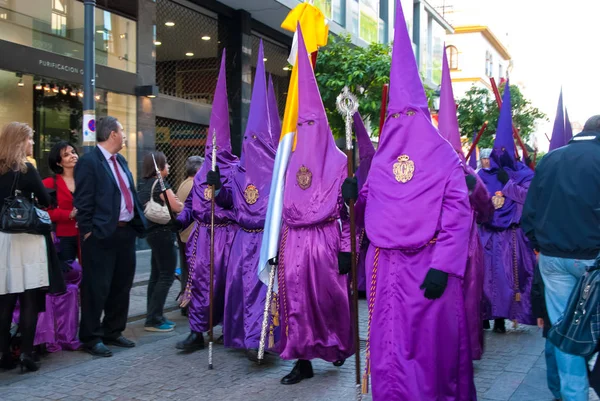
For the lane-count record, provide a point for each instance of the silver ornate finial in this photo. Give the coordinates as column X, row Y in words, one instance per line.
column 214, row 150
column 347, row 105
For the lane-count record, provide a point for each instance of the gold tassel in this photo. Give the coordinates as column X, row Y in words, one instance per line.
column 515, row 324
column 271, row 338
column 518, row 297
column 365, row 383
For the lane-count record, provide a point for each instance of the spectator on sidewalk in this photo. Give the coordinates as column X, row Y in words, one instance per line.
column 561, row 219
column 161, row 239
column 540, row 312
column 192, row 165
column 26, row 260
column 109, row 216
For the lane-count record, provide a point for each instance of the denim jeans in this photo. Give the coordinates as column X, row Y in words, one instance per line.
column 163, row 263
column 552, row 370
column 560, row 277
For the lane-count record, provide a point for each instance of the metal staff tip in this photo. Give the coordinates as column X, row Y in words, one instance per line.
column 347, row 104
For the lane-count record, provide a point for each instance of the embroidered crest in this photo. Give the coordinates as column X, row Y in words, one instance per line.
column 498, row 200
column 251, row 194
column 304, row 177
column 208, row 193
column 404, row 169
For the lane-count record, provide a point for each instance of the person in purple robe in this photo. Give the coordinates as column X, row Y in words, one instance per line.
column 197, row 208
column 508, row 260
column 248, row 196
column 482, row 211
column 314, row 257
column 366, row 150
column 416, row 212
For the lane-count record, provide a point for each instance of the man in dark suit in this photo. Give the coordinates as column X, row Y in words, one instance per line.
column 109, row 216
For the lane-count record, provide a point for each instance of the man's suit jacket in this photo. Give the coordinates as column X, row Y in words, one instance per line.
column 98, row 197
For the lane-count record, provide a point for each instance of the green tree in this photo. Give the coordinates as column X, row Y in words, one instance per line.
column 479, row 105
column 363, row 69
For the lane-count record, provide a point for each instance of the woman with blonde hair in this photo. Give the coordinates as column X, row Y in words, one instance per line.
column 25, row 271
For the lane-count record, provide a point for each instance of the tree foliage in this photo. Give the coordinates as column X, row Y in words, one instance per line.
column 479, row 105
column 363, row 69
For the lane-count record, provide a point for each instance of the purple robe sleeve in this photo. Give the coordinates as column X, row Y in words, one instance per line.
column 185, row 217
column 481, row 202
column 345, row 218
column 517, row 193
column 452, row 245
column 359, row 206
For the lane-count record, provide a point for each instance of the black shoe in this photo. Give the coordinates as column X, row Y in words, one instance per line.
column 98, row 349
column 120, row 342
column 7, row 362
column 184, row 311
column 302, row 370
column 27, row 363
column 220, row 340
column 252, row 354
column 499, row 326
column 193, row 342
column 339, row 362
column 486, row 325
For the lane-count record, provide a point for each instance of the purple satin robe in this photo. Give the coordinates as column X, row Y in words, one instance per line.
column 482, row 211
column 408, row 358
column 502, row 241
column 58, row 325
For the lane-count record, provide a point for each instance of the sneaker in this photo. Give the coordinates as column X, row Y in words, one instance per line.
column 170, row 323
column 159, row 328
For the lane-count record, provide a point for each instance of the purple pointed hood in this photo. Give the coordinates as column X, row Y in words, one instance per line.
column 366, row 150
column 406, row 88
column 317, row 167
column 558, row 139
column 413, row 162
column 219, row 124
column 273, row 113
column 503, row 152
column 568, row 128
column 447, row 119
column 252, row 180
column 473, row 160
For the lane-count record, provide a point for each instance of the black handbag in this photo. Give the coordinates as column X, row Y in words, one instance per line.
column 20, row 215
column 577, row 331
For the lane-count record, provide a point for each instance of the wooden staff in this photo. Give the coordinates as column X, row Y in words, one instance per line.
column 515, row 131
column 384, row 99
column 212, row 255
column 477, row 138
column 347, row 105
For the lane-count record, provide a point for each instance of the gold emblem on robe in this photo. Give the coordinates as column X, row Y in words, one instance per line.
column 251, row 194
column 498, row 200
column 404, row 169
column 208, row 193
column 304, row 177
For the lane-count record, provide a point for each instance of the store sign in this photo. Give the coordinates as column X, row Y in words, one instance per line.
column 41, row 63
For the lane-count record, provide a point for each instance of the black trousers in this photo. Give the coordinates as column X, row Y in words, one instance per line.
column 30, row 306
column 69, row 248
column 164, row 260
column 108, row 271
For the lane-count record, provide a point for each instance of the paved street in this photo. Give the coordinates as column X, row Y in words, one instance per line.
column 513, row 369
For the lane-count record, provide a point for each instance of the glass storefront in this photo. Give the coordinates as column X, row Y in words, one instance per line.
column 57, row 26
column 55, row 111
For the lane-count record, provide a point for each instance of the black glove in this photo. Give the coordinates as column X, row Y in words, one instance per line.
column 273, row 261
column 471, row 182
column 214, row 178
column 435, row 283
column 350, row 189
column 503, row 176
column 344, row 262
column 176, row 226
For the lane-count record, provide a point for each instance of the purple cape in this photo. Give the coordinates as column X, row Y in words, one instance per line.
column 417, row 216
column 313, row 297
